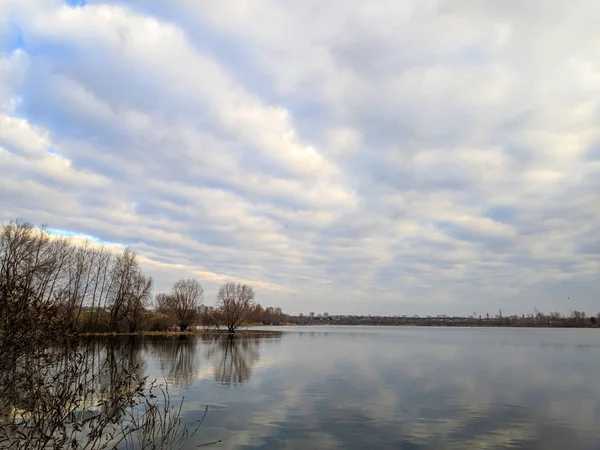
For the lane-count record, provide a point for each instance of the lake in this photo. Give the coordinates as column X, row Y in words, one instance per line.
column 385, row 387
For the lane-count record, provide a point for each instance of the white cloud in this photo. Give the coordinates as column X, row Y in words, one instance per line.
column 12, row 68
column 397, row 157
column 24, row 138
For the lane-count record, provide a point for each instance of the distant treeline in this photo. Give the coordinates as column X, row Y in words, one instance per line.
column 577, row 319
column 90, row 288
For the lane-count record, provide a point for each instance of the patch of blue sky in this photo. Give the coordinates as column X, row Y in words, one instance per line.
column 67, row 233
column 502, row 213
column 12, row 38
column 62, row 120
column 75, row 3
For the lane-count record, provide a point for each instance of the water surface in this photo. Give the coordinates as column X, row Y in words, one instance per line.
column 380, row 387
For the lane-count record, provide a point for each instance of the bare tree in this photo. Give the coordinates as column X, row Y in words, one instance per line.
column 163, row 303
column 33, row 278
column 235, row 304
column 184, row 301
column 101, row 268
column 137, row 300
column 122, row 284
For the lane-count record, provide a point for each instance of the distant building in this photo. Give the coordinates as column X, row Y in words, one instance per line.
column 301, row 314
column 311, row 315
column 326, row 314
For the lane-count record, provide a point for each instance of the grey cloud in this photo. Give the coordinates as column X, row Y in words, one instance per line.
column 466, row 172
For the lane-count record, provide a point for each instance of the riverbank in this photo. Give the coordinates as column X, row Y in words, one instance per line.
column 244, row 332
column 449, row 324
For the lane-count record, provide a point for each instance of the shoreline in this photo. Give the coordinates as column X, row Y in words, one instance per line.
column 244, row 332
column 436, row 325
column 250, row 330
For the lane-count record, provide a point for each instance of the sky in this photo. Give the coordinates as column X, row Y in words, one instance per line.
column 388, row 157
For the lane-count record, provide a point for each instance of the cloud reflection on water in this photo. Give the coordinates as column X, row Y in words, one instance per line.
column 401, row 389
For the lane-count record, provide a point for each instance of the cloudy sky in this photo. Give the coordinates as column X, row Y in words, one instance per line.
column 396, row 157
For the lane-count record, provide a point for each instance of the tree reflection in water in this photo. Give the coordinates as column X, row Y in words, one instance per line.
column 233, row 358
column 86, row 393
column 177, row 358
